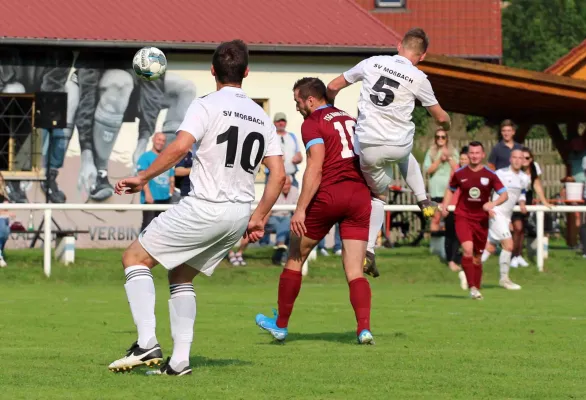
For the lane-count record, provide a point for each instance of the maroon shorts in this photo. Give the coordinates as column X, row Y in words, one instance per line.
column 469, row 230
column 346, row 203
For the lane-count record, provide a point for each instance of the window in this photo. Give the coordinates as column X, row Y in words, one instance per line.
column 264, row 103
column 390, row 3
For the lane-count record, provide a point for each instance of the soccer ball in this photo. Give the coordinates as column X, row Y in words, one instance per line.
column 149, row 63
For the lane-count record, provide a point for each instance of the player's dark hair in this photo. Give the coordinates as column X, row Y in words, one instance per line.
column 230, row 61
column 464, row 150
column 313, row 87
column 416, row 40
column 476, row 143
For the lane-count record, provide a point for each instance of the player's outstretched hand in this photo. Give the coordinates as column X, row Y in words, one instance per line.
column 129, row 185
column 298, row 223
column 255, row 230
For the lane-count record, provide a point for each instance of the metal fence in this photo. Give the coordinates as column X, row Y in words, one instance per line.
column 49, row 208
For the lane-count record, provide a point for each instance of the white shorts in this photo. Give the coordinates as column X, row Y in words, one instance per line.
column 195, row 232
column 376, row 163
column 498, row 229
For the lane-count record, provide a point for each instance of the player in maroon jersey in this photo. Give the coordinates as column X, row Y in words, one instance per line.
column 333, row 191
column 476, row 183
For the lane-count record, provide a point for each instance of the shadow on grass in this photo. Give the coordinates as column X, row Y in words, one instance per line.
column 448, row 296
column 195, row 362
column 200, row 361
column 334, row 337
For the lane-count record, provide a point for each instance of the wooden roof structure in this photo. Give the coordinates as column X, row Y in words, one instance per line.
column 497, row 92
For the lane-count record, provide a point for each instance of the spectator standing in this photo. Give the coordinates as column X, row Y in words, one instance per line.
column 519, row 220
column 160, row 189
column 500, row 156
column 440, row 160
column 182, row 171
column 291, row 154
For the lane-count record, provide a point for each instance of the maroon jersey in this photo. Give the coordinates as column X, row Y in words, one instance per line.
column 335, row 129
column 475, row 190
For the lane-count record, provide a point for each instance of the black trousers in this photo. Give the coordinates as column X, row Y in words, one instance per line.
column 452, row 244
column 148, row 216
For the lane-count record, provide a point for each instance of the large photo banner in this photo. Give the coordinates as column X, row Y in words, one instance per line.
column 111, row 118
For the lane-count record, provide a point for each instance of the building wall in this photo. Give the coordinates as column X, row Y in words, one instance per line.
column 112, row 115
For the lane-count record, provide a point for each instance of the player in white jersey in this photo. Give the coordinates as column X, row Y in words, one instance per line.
column 384, row 130
column 517, row 182
column 232, row 135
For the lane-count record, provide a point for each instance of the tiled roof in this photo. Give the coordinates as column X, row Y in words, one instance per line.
column 565, row 65
column 270, row 23
column 463, row 28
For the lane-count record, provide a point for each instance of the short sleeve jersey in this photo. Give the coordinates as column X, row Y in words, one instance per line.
column 233, row 134
column 517, row 184
column 475, row 190
column 390, row 86
column 334, row 128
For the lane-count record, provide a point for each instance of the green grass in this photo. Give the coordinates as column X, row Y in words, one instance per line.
column 59, row 335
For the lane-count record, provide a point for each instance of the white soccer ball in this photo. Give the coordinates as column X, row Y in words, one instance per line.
column 149, row 63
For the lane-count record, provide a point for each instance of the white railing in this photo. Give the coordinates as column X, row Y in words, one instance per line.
column 49, row 208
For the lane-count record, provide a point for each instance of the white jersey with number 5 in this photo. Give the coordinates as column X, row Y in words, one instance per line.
column 390, row 85
column 517, row 184
column 233, row 134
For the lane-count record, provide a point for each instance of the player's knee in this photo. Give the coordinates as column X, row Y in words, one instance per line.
column 507, row 246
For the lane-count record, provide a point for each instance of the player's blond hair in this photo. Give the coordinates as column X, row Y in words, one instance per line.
column 416, row 40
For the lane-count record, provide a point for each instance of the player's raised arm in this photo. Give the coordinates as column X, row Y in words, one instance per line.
column 427, row 98
column 349, row 77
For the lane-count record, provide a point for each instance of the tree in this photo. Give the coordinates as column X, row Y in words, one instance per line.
column 538, row 32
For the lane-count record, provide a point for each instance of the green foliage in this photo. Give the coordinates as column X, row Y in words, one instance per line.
column 473, row 124
column 536, row 33
column 421, row 120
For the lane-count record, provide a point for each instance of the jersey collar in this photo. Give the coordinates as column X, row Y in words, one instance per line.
column 324, row 106
column 403, row 58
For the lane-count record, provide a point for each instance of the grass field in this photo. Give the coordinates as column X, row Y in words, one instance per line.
column 59, row 335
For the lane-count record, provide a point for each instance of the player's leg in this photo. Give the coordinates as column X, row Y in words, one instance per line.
column 289, row 287
column 479, row 231
column 360, row 294
column 465, row 236
column 140, row 291
column 518, row 238
column 115, row 88
column 182, row 311
column 354, row 233
column 504, row 264
column 378, row 179
column 411, row 172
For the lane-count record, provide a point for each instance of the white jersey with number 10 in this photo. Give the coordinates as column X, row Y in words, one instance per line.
column 390, row 85
column 233, row 134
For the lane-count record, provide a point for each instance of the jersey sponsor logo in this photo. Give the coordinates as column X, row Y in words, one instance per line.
column 474, row 193
column 484, row 181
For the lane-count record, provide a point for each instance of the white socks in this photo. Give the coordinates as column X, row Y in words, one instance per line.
column 505, row 262
column 377, row 217
column 485, row 255
column 140, row 290
column 412, row 174
column 182, row 314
